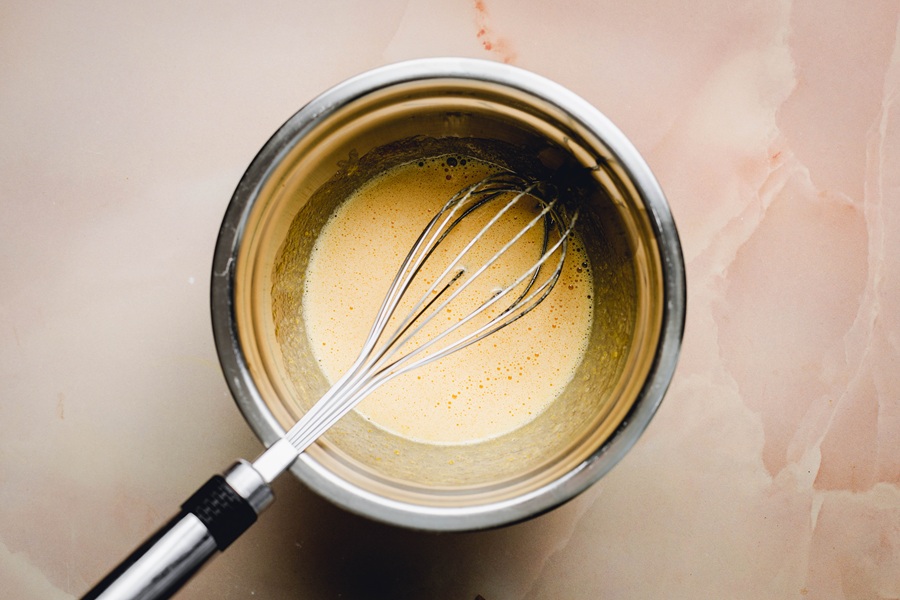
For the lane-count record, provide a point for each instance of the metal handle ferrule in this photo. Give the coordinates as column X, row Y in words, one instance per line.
column 211, row 519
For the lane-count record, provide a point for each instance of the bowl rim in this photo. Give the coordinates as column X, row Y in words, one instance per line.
column 358, row 500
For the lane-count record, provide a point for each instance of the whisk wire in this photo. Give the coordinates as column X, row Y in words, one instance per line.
column 420, row 254
column 376, row 364
column 355, row 391
column 503, row 319
column 391, row 346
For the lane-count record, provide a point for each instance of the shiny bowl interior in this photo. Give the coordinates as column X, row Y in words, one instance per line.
column 518, row 120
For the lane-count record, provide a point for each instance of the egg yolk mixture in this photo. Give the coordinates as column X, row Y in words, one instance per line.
column 485, row 390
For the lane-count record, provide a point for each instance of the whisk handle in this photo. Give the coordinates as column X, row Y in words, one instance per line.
column 211, row 519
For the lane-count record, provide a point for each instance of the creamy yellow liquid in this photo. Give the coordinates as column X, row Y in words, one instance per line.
column 480, row 392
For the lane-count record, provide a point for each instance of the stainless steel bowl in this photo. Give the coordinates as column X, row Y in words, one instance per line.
column 501, row 113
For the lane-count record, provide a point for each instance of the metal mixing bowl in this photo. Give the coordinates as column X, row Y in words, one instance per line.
column 519, row 120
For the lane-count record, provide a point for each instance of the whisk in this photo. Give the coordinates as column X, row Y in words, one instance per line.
column 226, row 506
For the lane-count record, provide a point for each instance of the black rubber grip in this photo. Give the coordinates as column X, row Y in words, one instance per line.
column 224, row 512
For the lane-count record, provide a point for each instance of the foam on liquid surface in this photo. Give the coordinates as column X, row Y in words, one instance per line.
column 480, row 392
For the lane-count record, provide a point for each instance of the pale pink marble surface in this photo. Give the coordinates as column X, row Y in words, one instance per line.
column 773, row 467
